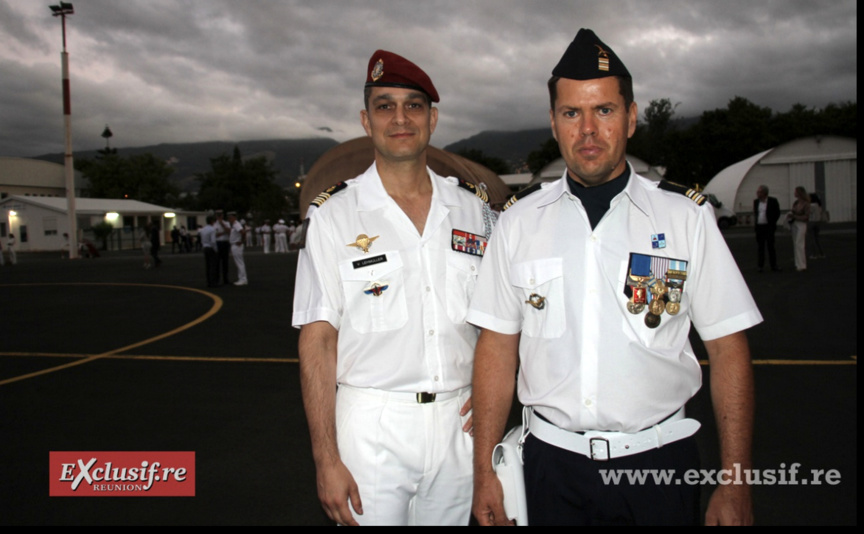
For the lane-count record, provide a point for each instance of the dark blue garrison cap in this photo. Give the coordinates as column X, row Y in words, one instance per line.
column 588, row 58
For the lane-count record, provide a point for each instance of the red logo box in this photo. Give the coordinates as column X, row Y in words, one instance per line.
column 121, row 474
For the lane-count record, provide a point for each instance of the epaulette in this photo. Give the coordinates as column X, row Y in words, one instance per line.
column 472, row 187
column 522, row 194
column 323, row 197
column 692, row 194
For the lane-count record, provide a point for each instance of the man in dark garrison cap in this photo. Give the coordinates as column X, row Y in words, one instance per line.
column 383, row 286
column 589, row 288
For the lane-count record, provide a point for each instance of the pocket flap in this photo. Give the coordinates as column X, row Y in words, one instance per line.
column 531, row 274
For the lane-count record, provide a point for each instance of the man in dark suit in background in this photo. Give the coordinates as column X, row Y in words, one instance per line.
column 766, row 211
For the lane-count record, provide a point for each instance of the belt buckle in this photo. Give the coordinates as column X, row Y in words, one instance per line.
column 425, row 398
column 591, row 442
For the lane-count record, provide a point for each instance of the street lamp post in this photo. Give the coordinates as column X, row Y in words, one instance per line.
column 61, row 11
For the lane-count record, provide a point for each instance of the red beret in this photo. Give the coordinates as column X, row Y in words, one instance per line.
column 387, row 69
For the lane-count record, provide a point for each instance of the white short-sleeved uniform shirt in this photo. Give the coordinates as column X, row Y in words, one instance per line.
column 586, row 362
column 400, row 307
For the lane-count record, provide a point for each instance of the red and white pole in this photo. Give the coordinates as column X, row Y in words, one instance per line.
column 61, row 11
column 68, row 163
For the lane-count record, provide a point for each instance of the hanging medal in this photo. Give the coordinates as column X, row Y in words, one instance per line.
column 676, row 275
column 639, row 274
column 655, row 309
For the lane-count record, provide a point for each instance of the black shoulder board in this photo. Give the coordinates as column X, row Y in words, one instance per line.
column 323, row 197
column 692, row 194
column 472, row 187
column 522, row 194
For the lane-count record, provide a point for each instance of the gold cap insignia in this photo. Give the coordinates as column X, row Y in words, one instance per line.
column 602, row 59
column 378, row 70
column 363, row 242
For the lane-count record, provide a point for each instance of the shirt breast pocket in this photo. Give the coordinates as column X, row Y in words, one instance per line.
column 375, row 294
column 461, row 278
column 541, row 285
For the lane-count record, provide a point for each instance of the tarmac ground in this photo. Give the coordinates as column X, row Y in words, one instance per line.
column 103, row 355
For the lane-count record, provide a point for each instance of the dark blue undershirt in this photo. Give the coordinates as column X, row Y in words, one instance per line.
column 596, row 199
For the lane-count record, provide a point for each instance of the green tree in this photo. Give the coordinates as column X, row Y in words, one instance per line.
column 141, row 177
column 243, row 185
column 102, row 231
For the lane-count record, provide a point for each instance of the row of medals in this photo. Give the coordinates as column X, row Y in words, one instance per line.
column 666, row 296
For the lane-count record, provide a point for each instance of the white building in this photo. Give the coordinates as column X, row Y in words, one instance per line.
column 823, row 164
column 39, row 223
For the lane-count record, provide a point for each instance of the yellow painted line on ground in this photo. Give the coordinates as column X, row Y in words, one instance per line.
column 217, row 305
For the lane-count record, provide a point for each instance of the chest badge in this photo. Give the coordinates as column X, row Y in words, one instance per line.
column 536, row 301
column 363, row 242
column 376, row 289
column 658, row 241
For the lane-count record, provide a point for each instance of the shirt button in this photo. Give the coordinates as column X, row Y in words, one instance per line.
column 531, row 281
column 587, row 402
column 431, row 332
column 436, row 378
column 428, row 289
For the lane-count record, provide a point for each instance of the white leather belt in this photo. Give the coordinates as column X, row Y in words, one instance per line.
column 603, row 446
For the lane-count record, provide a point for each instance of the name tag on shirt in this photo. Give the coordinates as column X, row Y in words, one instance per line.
column 366, row 262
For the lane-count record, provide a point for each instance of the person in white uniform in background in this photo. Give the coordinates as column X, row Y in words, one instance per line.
column 236, row 239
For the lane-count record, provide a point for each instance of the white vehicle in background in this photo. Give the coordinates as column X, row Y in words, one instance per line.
column 724, row 216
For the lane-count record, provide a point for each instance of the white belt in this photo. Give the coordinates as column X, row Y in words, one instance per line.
column 409, row 396
column 603, row 446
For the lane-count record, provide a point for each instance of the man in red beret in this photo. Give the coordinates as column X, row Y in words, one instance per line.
column 383, row 285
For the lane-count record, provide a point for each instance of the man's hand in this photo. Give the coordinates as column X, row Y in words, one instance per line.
column 336, row 487
column 495, row 361
column 730, row 505
column 469, row 424
column 732, row 396
column 488, row 506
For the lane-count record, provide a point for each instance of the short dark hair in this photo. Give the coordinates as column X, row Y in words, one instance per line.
column 625, row 89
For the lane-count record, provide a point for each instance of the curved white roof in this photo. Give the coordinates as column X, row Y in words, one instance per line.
column 725, row 185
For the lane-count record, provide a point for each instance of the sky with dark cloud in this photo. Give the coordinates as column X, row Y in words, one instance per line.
column 167, row 71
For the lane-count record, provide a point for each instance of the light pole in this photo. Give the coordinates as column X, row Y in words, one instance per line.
column 61, row 11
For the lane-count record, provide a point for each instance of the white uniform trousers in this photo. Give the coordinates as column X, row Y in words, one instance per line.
column 237, row 253
column 411, row 462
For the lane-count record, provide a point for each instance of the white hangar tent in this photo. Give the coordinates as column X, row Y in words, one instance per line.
column 555, row 169
column 40, row 222
column 824, row 165
column 33, row 177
